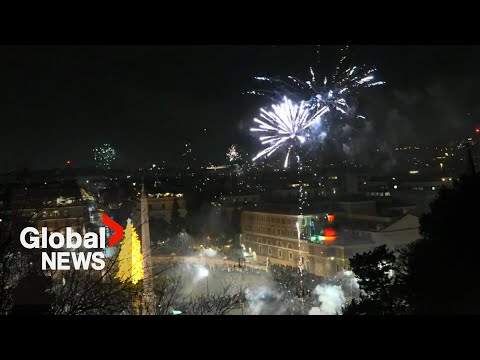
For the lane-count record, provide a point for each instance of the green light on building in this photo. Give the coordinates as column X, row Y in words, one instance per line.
column 317, row 239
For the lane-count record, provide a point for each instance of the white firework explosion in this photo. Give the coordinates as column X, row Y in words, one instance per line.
column 287, row 124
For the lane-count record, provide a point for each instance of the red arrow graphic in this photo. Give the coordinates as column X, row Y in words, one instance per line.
column 117, row 228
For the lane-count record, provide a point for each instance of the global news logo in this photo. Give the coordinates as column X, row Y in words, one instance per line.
column 93, row 243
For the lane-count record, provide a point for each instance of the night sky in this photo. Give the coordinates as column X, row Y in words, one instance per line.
column 58, row 102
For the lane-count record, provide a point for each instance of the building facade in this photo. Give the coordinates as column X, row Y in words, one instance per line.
column 58, row 218
column 162, row 205
column 275, row 236
column 327, row 241
column 361, row 234
column 55, row 206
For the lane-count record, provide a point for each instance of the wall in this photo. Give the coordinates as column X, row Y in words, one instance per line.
column 161, row 208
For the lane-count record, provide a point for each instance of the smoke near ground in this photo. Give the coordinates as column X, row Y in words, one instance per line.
column 271, row 293
column 331, row 300
column 209, row 252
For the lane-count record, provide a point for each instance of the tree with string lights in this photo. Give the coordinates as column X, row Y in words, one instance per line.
column 130, row 259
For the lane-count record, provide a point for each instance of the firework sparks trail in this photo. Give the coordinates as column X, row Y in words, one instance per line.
column 287, row 123
column 323, row 92
column 285, row 165
column 290, row 123
column 302, row 201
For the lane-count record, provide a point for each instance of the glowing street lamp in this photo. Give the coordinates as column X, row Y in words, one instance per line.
column 203, row 273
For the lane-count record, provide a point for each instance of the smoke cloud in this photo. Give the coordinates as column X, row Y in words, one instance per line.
column 331, row 300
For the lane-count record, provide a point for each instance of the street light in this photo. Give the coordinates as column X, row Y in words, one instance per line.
column 203, row 273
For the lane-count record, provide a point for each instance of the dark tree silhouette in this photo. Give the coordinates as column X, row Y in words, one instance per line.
column 378, row 286
column 439, row 273
column 32, row 296
column 442, row 268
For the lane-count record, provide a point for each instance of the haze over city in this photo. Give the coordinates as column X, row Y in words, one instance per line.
column 239, row 180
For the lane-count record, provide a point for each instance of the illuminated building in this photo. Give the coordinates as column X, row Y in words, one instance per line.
column 54, row 205
column 274, row 235
column 328, row 239
column 162, row 205
column 419, row 191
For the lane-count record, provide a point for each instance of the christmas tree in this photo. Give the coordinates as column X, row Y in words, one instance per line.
column 130, row 259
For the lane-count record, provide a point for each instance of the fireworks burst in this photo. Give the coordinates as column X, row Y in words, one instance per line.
column 323, row 92
column 233, row 154
column 288, row 123
column 104, row 156
column 318, row 95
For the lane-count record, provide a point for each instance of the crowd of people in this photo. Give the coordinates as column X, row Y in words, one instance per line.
column 233, row 268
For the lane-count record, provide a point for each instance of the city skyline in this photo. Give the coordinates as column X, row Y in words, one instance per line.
column 239, row 180
column 147, row 100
